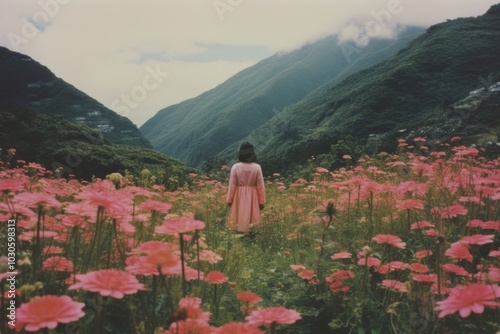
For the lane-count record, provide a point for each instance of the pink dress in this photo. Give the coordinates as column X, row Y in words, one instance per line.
column 246, row 191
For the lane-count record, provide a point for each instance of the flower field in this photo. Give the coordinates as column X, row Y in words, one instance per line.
column 402, row 243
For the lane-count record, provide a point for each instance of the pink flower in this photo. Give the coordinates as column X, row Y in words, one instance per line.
column 478, row 239
column 152, row 245
column 209, row 256
column 179, row 225
column 9, row 185
column 430, row 278
column 336, row 279
column 321, row 170
column 152, row 205
column 421, row 224
column 453, row 268
column 47, row 311
column 394, row 284
column 423, row 253
column 462, row 150
column 52, row 250
column 190, row 273
column 108, row 282
column 347, row 157
column 193, row 302
column 162, row 258
column 189, row 308
column 248, row 297
column 431, row 232
column 340, row 276
column 465, row 299
column 297, row 267
column 309, row 275
column 410, row 204
column 494, row 274
column 58, row 263
column 338, row 286
column 101, row 194
column 392, row 266
column 414, row 188
column 216, row 277
column 272, row 315
column 389, row 239
column 341, row 255
column 453, row 211
column 419, row 267
column 438, row 154
column 494, row 253
column 33, row 200
column 459, row 250
column 491, row 225
column 370, row 262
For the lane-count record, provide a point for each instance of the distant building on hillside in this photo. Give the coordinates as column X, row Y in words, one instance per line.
column 94, row 113
column 34, row 85
column 493, row 88
column 477, row 91
column 105, row 128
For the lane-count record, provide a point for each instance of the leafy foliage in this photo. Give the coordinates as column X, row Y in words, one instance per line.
column 75, row 149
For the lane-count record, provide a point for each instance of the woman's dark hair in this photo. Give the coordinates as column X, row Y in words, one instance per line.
column 246, row 153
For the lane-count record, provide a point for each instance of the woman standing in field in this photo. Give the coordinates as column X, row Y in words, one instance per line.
column 246, row 193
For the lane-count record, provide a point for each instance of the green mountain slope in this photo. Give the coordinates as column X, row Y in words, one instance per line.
column 199, row 128
column 26, row 84
column 387, row 100
column 76, row 149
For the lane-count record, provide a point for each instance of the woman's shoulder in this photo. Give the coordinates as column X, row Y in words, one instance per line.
column 246, row 165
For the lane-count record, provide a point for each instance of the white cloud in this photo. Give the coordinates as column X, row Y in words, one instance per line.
column 104, row 46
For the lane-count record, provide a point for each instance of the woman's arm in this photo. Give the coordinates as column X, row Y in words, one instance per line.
column 233, row 183
column 261, row 190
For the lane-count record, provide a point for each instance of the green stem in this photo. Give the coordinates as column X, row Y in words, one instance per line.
column 153, row 313
column 370, row 216
column 169, row 299
column 216, row 308
column 75, row 252
column 36, row 244
column 181, row 241
column 198, row 257
column 349, row 209
column 118, row 246
column 100, row 223
column 142, row 300
column 93, row 242
column 322, row 249
column 99, row 322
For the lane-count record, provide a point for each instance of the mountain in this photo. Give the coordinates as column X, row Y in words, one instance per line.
column 26, row 84
column 199, row 128
column 415, row 87
column 75, row 149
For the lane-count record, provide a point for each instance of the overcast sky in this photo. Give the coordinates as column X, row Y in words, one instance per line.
column 137, row 57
